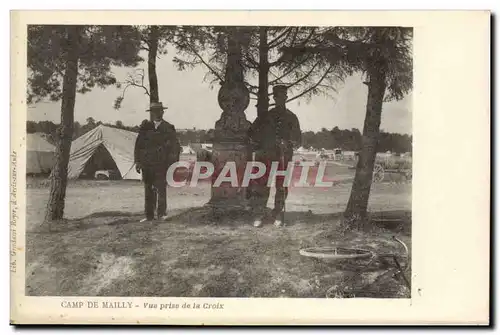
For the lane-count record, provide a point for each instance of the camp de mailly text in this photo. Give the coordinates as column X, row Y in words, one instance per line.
column 128, row 304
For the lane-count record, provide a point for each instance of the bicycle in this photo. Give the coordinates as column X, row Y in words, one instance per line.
column 356, row 255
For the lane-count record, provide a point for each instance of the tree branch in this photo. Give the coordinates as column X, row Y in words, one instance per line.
column 141, row 86
column 41, row 64
column 203, row 61
column 312, row 87
column 131, row 81
column 124, row 90
column 252, row 61
column 271, row 83
column 296, row 31
column 273, row 43
column 250, row 86
column 296, row 66
column 145, row 40
column 304, row 77
column 308, row 38
column 332, row 37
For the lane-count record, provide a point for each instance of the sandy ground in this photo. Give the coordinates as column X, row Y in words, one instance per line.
column 86, row 197
column 103, row 250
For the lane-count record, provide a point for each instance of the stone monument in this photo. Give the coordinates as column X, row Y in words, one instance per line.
column 230, row 134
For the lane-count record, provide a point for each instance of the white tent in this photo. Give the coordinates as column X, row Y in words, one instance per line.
column 187, row 150
column 302, row 150
column 207, row 146
column 40, row 154
column 103, row 148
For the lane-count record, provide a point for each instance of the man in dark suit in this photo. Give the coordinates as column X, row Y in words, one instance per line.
column 156, row 148
column 274, row 135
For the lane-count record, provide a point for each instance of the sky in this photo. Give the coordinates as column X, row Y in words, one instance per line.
column 193, row 104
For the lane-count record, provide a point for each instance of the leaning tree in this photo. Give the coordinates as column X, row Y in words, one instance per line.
column 384, row 56
column 67, row 59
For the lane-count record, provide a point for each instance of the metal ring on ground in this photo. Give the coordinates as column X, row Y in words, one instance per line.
column 335, row 253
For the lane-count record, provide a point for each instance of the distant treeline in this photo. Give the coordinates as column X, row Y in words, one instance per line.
column 351, row 140
column 327, row 139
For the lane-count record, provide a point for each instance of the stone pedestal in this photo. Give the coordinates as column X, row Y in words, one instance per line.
column 225, row 196
column 230, row 136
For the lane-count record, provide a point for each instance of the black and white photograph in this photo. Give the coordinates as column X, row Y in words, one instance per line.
column 167, row 167
column 112, row 109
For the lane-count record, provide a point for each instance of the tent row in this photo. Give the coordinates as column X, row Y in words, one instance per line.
column 103, row 151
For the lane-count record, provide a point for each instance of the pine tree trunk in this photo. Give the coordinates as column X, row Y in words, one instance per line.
column 59, row 174
column 263, row 95
column 356, row 210
column 152, row 54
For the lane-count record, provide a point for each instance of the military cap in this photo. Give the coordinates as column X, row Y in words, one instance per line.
column 280, row 89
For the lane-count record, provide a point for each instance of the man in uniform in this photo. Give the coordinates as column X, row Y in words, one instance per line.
column 273, row 137
column 156, row 148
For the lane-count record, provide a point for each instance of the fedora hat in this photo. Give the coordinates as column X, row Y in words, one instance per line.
column 156, row 105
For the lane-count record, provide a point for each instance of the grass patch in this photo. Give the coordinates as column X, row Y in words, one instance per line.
column 188, row 258
column 101, row 249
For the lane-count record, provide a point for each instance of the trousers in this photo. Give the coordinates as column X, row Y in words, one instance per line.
column 260, row 190
column 155, row 191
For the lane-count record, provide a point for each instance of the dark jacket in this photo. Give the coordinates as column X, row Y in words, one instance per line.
column 275, row 126
column 156, row 147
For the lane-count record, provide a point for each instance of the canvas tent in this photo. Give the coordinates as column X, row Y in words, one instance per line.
column 103, row 148
column 203, row 151
column 302, row 150
column 187, row 150
column 207, row 146
column 40, row 154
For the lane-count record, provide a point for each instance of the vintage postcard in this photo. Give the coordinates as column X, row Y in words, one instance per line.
column 250, row 167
